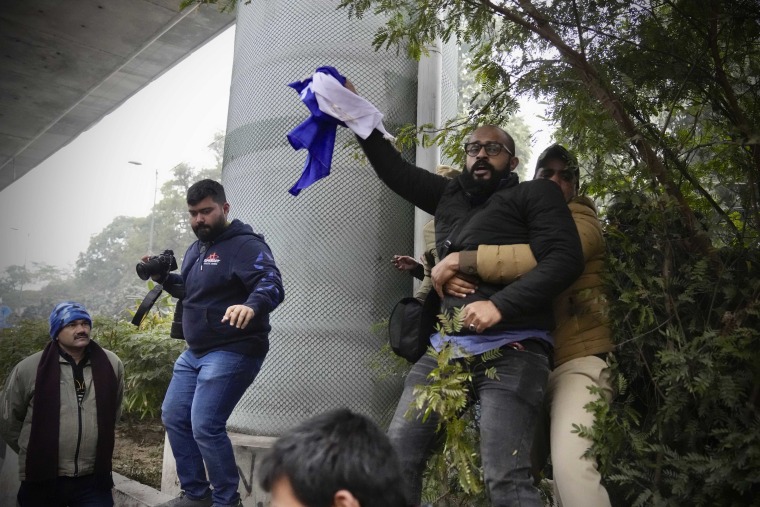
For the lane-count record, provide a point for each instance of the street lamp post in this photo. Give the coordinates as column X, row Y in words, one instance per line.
column 153, row 210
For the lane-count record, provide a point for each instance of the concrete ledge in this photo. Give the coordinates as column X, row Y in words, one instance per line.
column 247, row 448
column 129, row 493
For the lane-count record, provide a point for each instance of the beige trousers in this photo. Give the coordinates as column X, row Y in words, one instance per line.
column 576, row 479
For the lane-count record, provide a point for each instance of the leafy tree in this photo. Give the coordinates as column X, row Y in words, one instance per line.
column 19, row 286
column 104, row 277
column 623, row 77
column 17, row 277
column 661, row 101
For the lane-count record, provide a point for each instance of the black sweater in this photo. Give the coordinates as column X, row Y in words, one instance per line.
column 532, row 212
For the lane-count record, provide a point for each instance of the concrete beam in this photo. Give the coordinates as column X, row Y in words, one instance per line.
column 65, row 64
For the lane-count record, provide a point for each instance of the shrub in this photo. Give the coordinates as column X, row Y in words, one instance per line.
column 685, row 428
column 148, row 356
column 22, row 340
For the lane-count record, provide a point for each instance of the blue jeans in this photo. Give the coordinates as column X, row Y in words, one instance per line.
column 66, row 492
column 201, row 395
column 509, row 405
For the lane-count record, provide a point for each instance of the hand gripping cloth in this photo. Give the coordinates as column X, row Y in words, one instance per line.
column 330, row 104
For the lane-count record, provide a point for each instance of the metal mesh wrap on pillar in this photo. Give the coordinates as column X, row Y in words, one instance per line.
column 333, row 243
column 449, row 86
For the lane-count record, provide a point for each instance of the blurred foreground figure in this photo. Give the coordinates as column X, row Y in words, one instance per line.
column 338, row 459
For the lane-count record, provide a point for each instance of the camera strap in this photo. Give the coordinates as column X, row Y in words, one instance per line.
column 147, row 303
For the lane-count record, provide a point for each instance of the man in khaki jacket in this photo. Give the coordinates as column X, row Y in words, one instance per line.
column 582, row 337
column 58, row 411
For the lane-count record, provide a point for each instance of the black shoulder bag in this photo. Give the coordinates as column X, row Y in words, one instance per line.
column 413, row 321
column 410, row 325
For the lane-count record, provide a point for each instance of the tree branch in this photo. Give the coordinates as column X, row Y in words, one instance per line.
column 610, row 102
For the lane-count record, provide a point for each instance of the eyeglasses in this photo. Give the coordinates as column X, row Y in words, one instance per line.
column 546, row 173
column 492, row 149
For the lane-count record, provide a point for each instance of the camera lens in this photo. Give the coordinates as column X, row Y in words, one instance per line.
column 147, row 269
column 157, row 265
column 142, row 271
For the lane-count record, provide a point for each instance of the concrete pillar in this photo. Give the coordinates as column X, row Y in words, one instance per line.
column 334, row 241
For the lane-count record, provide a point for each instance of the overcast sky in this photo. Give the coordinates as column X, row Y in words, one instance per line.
column 50, row 213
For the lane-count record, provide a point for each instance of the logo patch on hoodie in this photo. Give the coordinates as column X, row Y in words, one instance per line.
column 211, row 260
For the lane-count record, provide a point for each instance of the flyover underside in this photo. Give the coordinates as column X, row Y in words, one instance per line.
column 65, row 64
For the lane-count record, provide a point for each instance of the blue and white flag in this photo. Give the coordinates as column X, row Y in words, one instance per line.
column 330, row 104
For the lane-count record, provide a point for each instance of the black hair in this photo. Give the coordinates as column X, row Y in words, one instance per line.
column 333, row 451
column 206, row 188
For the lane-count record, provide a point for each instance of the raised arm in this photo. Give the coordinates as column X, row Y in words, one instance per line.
column 414, row 184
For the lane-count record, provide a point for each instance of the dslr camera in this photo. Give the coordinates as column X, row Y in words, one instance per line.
column 160, row 264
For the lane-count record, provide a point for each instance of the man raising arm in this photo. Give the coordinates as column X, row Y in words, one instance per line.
column 486, row 205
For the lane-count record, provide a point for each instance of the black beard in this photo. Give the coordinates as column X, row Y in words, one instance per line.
column 209, row 232
column 482, row 186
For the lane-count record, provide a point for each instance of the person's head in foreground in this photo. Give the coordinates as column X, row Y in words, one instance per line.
column 339, row 459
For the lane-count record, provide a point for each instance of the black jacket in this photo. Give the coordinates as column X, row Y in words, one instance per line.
column 532, row 212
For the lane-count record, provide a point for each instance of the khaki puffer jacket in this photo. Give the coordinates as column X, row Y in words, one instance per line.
column 582, row 329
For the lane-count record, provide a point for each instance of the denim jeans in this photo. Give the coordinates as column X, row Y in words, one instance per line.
column 509, row 405
column 201, row 395
column 66, row 492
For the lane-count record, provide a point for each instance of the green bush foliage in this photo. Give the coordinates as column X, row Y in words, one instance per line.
column 148, row 356
column 23, row 339
column 684, row 428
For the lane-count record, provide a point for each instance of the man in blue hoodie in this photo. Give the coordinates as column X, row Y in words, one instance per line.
column 229, row 284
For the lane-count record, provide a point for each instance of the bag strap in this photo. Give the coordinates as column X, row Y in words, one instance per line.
column 446, row 248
